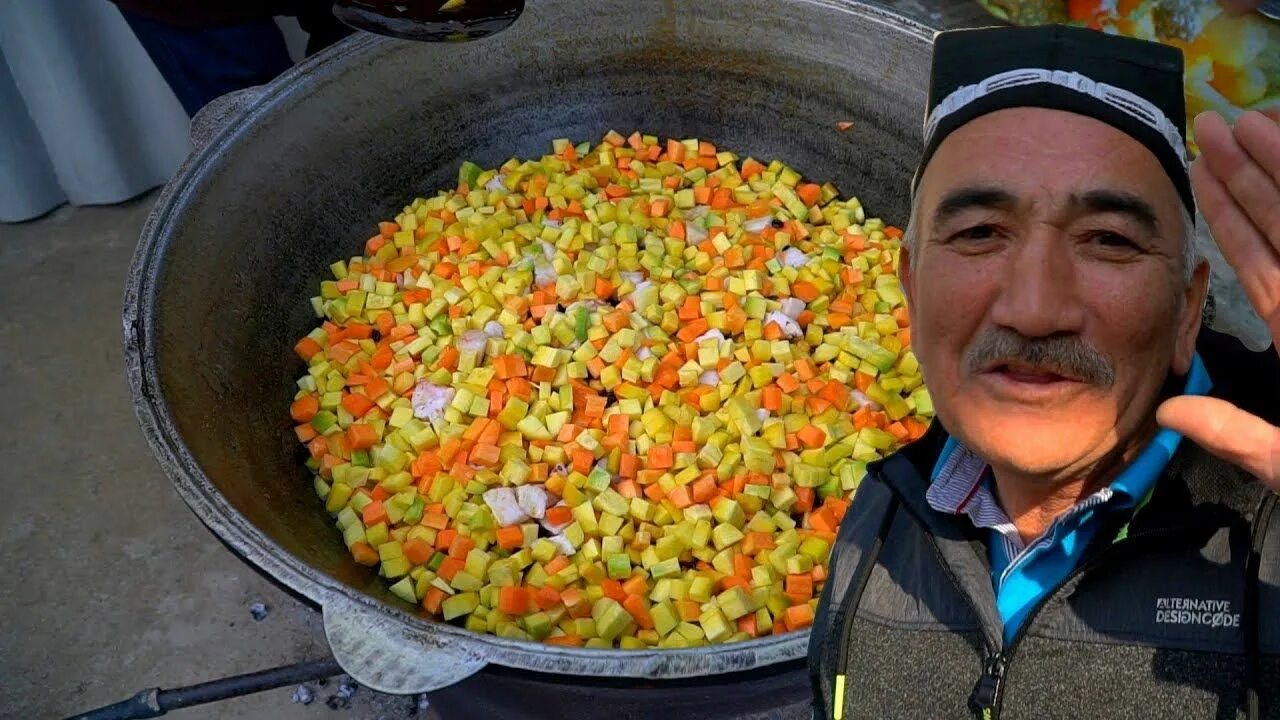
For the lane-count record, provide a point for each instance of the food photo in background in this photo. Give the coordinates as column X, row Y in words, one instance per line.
column 1232, row 50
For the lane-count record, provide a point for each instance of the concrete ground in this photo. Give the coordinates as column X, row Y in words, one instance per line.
column 111, row 584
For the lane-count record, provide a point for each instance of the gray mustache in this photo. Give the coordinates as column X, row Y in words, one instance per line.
column 1066, row 355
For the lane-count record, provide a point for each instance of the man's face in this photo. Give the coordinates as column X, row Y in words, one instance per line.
column 1047, row 299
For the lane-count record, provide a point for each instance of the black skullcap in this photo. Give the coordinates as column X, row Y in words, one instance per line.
column 1133, row 85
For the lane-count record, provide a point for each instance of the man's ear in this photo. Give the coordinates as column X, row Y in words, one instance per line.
column 1192, row 314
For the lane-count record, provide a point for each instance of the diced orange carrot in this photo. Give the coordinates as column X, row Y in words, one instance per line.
column 448, row 358
column 374, row 513
column 364, row 553
column 660, row 457
column 510, row 538
column 582, row 461
column 485, row 454
column 823, row 519
column 689, row 610
column 693, row 329
column 750, row 168
column 357, row 404
column 812, row 436
column 306, row 348
column 804, row 500
column 305, row 432
column 513, row 600
column 304, row 408
column 809, row 193
column 547, row 597
column 445, row 537
column 460, row 546
column 636, row 605
column 797, row 617
column 679, row 496
column 559, row 515
column 432, row 600
column 566, row 640
column 613, row 589
column 703, row 489
column 556, row 564
column 805, row 290
column 362, row 436
column 417, row 551
column 862, row 381
column 800, row 586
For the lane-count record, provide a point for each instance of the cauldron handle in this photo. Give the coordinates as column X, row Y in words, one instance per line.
column 220, row 112
column 392, row 657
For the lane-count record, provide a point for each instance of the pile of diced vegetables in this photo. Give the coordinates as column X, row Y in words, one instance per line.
column 618, row 396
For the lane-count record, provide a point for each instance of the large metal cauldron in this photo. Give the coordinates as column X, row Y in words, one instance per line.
column 297, row 177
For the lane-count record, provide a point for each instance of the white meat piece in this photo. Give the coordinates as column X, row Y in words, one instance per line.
column 697, row 211
column 757, row 225
column 712, row 334
column 533, row 500
column 632, row 277
column 430, row 401
column 505, row 506
column 790, row 328
column 494, row 329
column 864, row 401
column 644, row 353
column 572, row 309
column 694, row 233
column 496, row 183
column 792, row 307
column 562, row 543
column 793, row 258
column 550, row 223
column 473, row 340
column 710, row 377
column 544, row 273
column 642, row 288
column 547, row 249
column 762, row 414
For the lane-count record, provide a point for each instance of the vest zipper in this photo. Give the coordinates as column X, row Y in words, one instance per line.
column 988, row 692
column 984, row 699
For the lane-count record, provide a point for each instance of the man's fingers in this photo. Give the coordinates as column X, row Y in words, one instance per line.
column 1259, row 135
column 1255, row 263
column 1228, row 432
column 1251, row 186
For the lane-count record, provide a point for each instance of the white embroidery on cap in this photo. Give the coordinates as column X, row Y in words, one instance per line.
column 1129, row 103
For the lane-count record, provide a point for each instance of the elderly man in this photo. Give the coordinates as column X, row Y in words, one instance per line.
column 1087, row 530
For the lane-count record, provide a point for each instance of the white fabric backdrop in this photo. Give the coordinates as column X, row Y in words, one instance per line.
column 85, row 117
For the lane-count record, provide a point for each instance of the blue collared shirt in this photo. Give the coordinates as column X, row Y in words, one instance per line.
column 1024, row 573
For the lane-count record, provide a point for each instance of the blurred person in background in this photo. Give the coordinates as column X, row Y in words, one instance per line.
column 207, row 48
